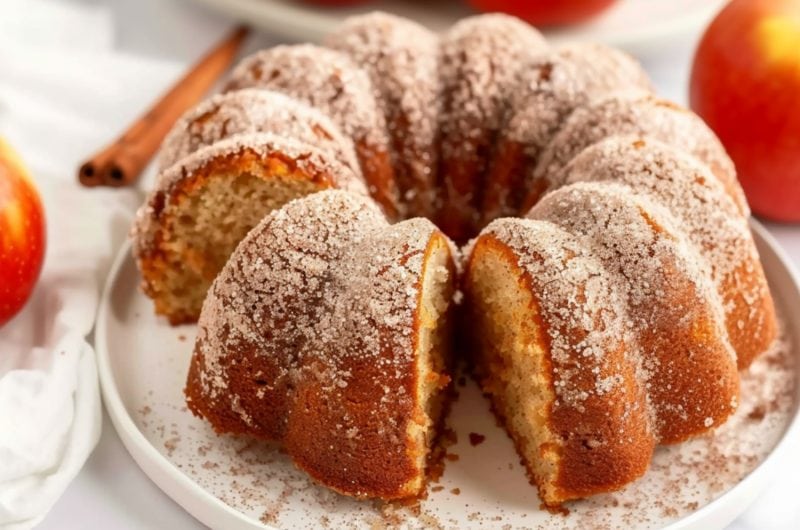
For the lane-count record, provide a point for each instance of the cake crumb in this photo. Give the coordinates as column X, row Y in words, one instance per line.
column 476, row 439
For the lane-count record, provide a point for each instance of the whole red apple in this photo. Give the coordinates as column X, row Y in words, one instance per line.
column 22, row 234
column 746, row 84
column 546, row 12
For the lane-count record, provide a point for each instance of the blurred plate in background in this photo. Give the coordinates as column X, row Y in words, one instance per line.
column 639, row 26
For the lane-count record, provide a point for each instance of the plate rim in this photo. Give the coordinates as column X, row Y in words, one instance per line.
column 314, row 21
column 168, row 477
column 135, row 442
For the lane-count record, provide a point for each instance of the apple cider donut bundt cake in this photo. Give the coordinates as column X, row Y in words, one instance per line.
column 609, row 284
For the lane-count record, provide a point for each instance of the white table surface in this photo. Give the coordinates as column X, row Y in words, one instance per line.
column 111, row 492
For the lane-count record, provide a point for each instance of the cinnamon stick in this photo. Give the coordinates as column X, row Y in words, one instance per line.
column 121, row 163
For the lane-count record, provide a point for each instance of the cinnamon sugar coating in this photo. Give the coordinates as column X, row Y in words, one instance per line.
column 556, row 83
column 610, row 316
column 638, row 112
column 308, row 337
column 250, row 111
column 400, row 57
column 332, row 83
column 685, row 360
column 707, row 215
column 481, row 59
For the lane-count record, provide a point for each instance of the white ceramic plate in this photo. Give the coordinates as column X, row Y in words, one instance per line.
column 636, row 25
column 240, row 484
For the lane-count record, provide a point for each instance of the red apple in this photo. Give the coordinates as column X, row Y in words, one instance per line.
column 22, row 234
column 546, row 12
column 335, row 2
column 746, row 84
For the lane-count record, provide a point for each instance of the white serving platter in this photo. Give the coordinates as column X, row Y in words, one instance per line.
column 240, row 484
column 639, row 26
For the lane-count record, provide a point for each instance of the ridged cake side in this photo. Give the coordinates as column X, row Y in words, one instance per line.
column 326, row 331
column 554, row 354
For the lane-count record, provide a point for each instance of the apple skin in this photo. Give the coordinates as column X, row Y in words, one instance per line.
column 334, row 3
column 546, row 12
column 745, row 84
column 22, row 234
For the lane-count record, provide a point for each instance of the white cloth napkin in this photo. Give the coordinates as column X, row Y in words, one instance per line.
column 63, row 94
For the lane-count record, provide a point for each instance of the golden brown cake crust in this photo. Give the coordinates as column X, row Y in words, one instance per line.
column 308, row 337
column 331, row 82
column 676, row 314
column 636, row 253
column 262, row 155
column 600, row 418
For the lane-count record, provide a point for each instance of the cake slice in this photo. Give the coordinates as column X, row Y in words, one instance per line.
column 552, row 352
column 598, row 335
column 327, row 331
column 205, row 204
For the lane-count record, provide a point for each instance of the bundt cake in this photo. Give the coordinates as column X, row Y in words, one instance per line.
column 611, row 286
column 327, row 330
